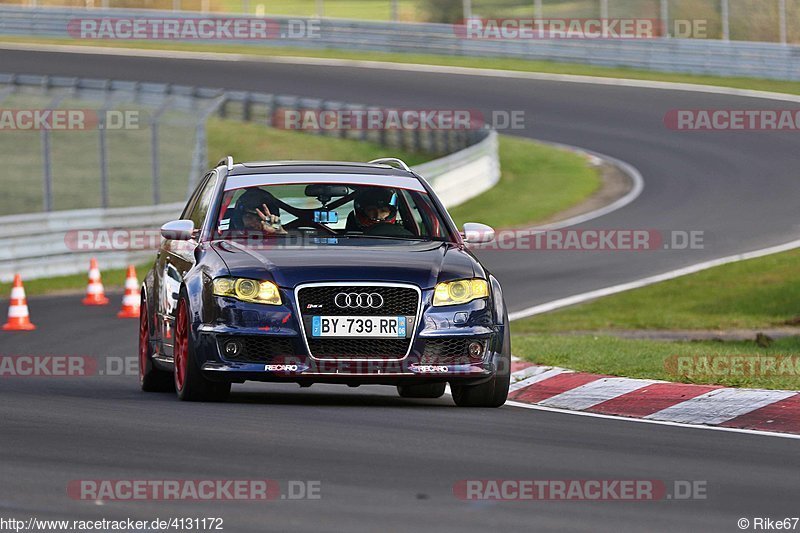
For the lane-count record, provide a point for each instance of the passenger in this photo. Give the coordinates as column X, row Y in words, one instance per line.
column 257, row 210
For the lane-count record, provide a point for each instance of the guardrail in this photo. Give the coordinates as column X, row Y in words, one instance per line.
column 44, row 244
column 694, row 56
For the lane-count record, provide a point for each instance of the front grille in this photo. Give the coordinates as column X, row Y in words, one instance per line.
column 359, row 348
column 397, row 301
column 257, row 348
column 320, row 301
column 451, row 351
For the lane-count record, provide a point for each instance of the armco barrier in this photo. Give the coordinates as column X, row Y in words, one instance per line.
column 694, row 56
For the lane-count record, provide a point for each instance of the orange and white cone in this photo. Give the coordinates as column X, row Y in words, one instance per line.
column 131, row 300
column 95, row 293
column 18, row 317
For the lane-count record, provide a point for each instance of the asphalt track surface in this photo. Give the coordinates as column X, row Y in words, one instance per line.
column 388, row 464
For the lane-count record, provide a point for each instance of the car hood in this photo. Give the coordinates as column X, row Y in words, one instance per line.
column 420, row 263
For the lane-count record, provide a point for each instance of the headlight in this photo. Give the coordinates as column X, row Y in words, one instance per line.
column 460, row 292
column 248, row 290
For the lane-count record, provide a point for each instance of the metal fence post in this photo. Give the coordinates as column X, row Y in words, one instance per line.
column 665, row 18
column 156, row 171
column 48, row 177
column 393, row 10
column 604, row 9
column 200, row 153
column 47, row 168
column 726, row 20
column 538, row 10
column 320, row 8
column 103, row 159
column 176, row 5
column 467, row 9
column 782, row 21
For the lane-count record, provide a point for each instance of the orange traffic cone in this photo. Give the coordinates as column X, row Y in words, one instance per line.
column 18, row 317
column 95, row 293
column 130, row 302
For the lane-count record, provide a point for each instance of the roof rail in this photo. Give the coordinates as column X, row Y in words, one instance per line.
column 398, row 163
column 227, row 163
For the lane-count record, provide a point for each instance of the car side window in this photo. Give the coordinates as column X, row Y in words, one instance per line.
column 198, row 211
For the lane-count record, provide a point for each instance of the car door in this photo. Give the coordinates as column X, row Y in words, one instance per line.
column 177, row 258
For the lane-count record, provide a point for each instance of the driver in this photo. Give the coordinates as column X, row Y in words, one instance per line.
column 258, row 210
column 375, row 213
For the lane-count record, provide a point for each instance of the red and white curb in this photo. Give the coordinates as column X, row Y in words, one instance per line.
column 772, row 411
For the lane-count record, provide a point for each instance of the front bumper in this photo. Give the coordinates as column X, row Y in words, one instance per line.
column 433, row 357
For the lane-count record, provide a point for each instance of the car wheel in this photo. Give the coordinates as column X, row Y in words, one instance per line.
column 189, row 381
column 423, row 390
column 492, row 393
column 151, row 379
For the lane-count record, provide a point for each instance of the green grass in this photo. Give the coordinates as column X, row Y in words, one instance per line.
column 755, row 294
column 353, row 9
column 656, row 359
column 537, row 182
column 247, row 141
column 521, row 65
column 758, row 293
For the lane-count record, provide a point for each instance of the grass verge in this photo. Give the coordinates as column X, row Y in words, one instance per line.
column 658, row 359
column 537, row 182
column 758, row 293
column 521, row 65
column 754, row 294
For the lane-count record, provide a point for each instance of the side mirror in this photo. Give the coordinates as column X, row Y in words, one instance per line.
column 178, row 230
column 475, row 233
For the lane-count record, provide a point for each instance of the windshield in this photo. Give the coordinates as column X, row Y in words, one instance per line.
column 343, row 210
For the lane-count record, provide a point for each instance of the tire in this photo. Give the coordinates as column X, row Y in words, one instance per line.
column 423, row 390
column 492, row 393
column 151, row 379
column 190, row 384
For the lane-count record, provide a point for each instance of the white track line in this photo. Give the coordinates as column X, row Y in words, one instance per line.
column 631, row 171
column 649, row 421
column 672, row 274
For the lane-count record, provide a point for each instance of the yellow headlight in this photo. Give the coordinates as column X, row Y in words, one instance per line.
column 460, row 292
column 248, row 290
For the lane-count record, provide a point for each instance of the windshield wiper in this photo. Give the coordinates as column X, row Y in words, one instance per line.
column 389, row 237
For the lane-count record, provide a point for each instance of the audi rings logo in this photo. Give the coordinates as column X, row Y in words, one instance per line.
column 355, row 300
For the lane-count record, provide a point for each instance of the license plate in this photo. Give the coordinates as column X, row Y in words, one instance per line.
column 387, row 327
